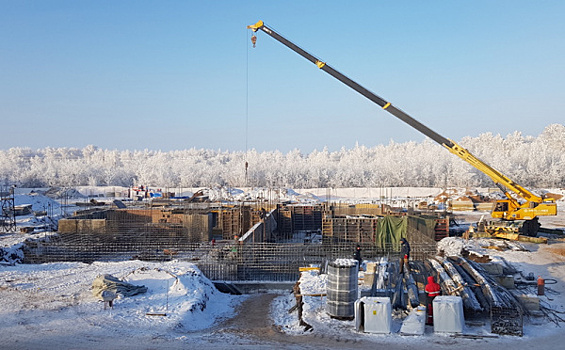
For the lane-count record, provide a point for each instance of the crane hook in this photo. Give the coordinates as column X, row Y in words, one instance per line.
column 254, row 39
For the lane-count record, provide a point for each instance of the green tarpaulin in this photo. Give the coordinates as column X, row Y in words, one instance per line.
column 424, row 225
column 390, row 229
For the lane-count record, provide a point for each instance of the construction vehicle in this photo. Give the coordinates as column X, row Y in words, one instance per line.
column 522, row 213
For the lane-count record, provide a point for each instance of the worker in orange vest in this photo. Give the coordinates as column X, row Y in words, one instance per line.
column 433, row 290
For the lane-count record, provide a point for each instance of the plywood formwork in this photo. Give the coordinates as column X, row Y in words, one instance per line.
column 359, row 229
column 235, row 222
column 82, row 225
column 360, row 209
column 284, row 219
column 364, row 229
column 306, row 218
column 199, row 227
column 295, row 218
column 441, row 229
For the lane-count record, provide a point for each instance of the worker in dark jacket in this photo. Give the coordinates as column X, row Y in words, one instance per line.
column 357, row 255
column 404, row 253
column 404, row 248
column 432, row 290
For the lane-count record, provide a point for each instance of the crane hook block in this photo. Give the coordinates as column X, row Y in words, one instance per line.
column 255, row 27
column 254, row 39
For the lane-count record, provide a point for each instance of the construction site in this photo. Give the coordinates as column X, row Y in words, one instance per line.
column 134, row 267
column 256, row 242
column 377, row 259
column 261, row 246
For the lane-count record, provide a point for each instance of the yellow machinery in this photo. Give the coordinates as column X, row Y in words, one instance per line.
column 511, row 209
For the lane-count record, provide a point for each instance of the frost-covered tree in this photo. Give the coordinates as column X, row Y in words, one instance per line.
column 530, row 161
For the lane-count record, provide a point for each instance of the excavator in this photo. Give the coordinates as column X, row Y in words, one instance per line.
column 517, row 215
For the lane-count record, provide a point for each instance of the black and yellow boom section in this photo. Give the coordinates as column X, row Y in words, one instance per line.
column 510, row 208
column 507, row 209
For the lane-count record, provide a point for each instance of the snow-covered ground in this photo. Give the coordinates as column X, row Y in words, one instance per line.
column 51, row 306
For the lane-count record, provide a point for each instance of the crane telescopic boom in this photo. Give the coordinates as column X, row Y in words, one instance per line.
column 508, row 209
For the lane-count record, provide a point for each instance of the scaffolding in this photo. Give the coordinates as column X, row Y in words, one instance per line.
column 7, row 209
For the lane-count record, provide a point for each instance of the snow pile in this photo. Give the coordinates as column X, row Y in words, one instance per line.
column 344, row 262
column 451, row 246
column 62, row 192
column 457, row 246
column 284, row 320
column 312, row 288
column 178, row 298
column 180, row 291
column 38, row 202
column 311, row 282
column 12, row 254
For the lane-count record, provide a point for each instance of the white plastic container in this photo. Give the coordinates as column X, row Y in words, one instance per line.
column 448, row 314
column 378, row 315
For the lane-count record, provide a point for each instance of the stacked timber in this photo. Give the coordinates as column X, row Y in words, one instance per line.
column 462, row 287
column 468, row 280
column 448, row 287
column 497, row 295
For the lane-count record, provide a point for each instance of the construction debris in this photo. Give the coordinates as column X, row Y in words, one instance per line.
column 108, row 283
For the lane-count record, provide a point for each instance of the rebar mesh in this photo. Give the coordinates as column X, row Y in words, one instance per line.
column 507, row 321
column 225, row 260
column 157, row 234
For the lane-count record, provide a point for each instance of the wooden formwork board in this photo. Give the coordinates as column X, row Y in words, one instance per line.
column 361, row 230
column 441, row 229
column 235, row 222
column 361, row 209
column 82, row 225
column 306, row 218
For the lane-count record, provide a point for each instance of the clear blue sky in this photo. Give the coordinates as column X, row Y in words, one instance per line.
column 166, row 75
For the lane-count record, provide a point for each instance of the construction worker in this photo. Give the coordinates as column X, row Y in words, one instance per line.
column 432, row 290
column 357, row 255
column 404, row 253
column 404, row 248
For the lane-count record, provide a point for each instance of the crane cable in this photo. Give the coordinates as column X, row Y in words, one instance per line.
column 247, row 104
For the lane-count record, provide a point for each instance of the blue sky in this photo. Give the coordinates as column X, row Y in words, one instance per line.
column 166, row 75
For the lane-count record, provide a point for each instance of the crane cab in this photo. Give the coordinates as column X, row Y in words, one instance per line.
column 506, row 209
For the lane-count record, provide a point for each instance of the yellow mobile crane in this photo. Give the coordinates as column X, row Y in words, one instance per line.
column 510, row 209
